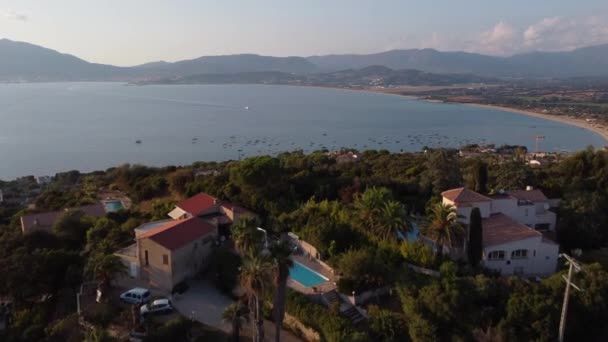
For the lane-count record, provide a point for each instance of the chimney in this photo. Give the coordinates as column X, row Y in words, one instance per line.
column 529, row 188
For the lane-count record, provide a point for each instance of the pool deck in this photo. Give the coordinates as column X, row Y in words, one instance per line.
column 317, row 267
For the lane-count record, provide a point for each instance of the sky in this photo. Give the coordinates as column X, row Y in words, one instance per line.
column 131, row 32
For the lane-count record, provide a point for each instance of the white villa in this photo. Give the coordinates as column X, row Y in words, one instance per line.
column 513, row 226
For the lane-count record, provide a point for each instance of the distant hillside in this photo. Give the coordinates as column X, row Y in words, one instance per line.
column 27, row 62
column 238, row 64
column 428, row 60
column 589, row 61
column 373, row 76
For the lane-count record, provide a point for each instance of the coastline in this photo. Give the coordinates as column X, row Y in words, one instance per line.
column 603, row 132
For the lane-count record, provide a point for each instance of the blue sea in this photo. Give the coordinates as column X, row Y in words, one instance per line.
column 51, row 127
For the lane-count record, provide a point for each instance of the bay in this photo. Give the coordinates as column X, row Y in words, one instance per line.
column 52, row 127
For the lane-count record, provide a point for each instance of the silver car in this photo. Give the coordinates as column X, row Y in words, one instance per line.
column 159, row 306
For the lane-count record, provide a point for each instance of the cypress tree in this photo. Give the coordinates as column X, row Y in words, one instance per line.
column 475, row 246
column 481, row 177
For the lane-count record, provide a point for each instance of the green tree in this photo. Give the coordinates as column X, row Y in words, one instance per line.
column 475, row 243
column 443, row 228
column 369, row 205
column 392, row 219
column 179, row 180
column 105, row 268
column 385, row 325
column 247, row 238
column 280, row 254
column 237, row 315
column 481, row 176
column 255, row 277
column 442, row 171
column 71, row 227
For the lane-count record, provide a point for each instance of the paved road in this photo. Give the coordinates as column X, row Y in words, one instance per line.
column 204, row 303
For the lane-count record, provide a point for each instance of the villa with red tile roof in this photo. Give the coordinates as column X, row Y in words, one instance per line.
column 513, row 225
column 169, row 251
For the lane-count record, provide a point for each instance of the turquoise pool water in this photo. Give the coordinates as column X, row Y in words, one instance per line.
column 113, row 206
column 411, row 235
column 305, row 275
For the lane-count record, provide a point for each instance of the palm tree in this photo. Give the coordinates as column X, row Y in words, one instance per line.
column 237, row 315
column 104, row 268
column 392, row 218
column 247, row 238
column 443, row 228
column 255, row 278
column 280, row 254
column 369, row 204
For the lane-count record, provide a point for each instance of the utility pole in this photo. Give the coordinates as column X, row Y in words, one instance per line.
column 576, row 267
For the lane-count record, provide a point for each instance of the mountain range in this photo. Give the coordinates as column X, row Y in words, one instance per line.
column 21, row 61
column 372, row 76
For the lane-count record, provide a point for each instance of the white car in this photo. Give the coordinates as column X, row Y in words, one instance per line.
column 158, row 306
column 137, row 295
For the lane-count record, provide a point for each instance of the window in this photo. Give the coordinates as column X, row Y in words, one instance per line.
column 519, row 254
column 542, row 226
column 146, row 257
column 165, row 259
column 496, row 255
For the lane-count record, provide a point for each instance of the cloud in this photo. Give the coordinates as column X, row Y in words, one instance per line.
column 499, row 40
column 12, row 15
column 503, row 39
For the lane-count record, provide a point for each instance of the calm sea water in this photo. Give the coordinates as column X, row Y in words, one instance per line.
column 52, row 127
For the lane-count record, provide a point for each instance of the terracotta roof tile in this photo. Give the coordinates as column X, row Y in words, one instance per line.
column 198, row 203
column 534, row 195
column 499, row 229
column 179, row 233
column 464, row 195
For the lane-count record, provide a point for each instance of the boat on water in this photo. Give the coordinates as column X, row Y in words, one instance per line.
column 138, row 141
column 246, row 107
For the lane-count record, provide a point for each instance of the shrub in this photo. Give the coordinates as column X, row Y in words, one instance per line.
column 224, row 269
column 330, row 327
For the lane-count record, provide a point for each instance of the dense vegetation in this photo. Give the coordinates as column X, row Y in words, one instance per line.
column 353, row 213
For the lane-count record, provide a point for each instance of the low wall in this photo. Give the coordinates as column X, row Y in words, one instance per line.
column 423, row 270
column 311, row 251
column 364, row 297
column 302, row 330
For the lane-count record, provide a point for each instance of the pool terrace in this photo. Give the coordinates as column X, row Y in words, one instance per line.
column 312, row 265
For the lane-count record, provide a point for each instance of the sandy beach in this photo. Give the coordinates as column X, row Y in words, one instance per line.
column 563, row 119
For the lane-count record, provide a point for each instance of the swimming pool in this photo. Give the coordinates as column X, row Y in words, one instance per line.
column 412, row 235
column 113, row 206
column 305, row 275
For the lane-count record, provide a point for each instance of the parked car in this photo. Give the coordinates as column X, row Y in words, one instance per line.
column 159, row 306
column 137, row 295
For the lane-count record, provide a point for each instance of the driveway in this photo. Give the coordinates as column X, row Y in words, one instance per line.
column 204, row 303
